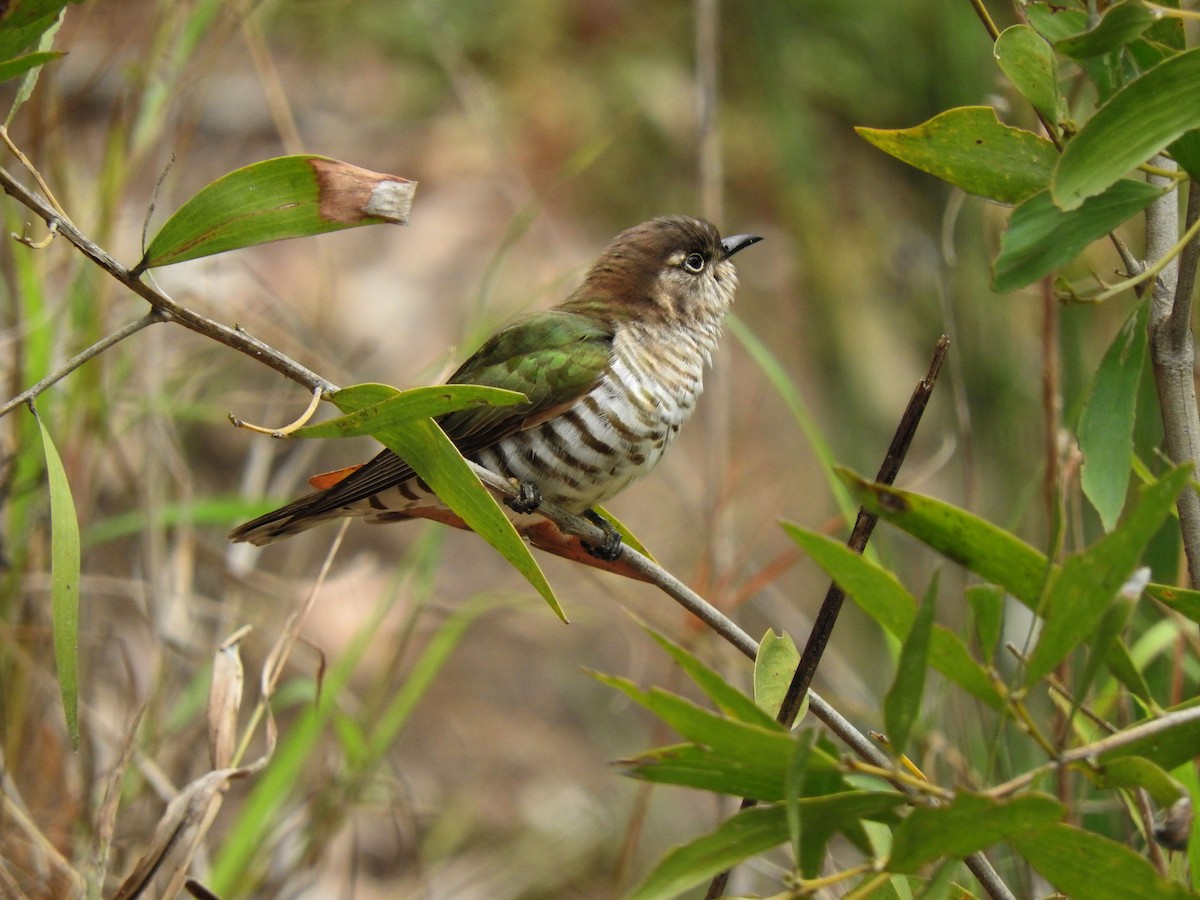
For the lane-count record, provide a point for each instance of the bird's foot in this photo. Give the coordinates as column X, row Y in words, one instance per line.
column 610, row 549
column 528, row 498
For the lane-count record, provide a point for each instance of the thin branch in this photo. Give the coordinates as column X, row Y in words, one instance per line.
column 80, row 358
column 822, row 628
column 235, row 338
column 1139, row 732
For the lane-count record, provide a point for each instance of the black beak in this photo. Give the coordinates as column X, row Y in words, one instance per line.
column 732, row 245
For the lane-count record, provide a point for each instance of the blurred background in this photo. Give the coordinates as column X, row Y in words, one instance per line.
column 537, row 130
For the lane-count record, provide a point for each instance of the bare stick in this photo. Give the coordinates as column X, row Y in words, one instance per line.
column 822, row 628
column 1138, row 732
column 80, row 358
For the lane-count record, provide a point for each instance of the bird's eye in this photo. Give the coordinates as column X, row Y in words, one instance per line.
column 694, row 263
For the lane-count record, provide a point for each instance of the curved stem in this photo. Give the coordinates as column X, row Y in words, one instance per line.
column 80, row 358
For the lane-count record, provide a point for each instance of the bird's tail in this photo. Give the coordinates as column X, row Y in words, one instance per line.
column 294, row 518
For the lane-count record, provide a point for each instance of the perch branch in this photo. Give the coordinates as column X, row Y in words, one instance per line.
column 80, row 358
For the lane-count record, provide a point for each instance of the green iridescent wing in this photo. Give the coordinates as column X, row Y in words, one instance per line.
column 553, row 358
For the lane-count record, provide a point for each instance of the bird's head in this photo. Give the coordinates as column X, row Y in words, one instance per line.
column 671, row 269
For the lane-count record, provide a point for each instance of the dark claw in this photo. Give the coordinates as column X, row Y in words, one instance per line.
column 528, row 498
column 611, row 548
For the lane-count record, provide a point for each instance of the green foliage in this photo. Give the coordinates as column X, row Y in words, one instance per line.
column 423, row 445
column 973, row 150
column 1041, row 238
column 64, row 584
column 288, row 197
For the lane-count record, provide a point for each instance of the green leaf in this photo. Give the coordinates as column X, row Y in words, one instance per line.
column 1186, row 151
column 881, row 596
column 986, row 602
column 1040, row 237
column 1106, row 424
column 902, row 703
column 403, row 406
column 1107, row 633
column 11, row 68
column 754, row 831
column 971, row 822
column 970, row 148
column 1183, row 601
column 1082, row 864
column 766, row 747
column 1140, row 120
column 1131, row 772
column 23, row 24
column 1056, row 22
column 719, row 772
column 1028, row 61
column 433, row 456
column 1088, row 582
column 1166, row 749
column 1119, row 25
column 774, row 667
column 285, row 197
column 746, row 834
column 988, row 551
column 793, row 785
column 716, row 687
column 45, row 40
column 64, row 584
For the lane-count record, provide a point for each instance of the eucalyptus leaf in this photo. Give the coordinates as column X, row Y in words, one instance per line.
column 902, row 703
column 1120, row 24
column 1083, row 864
column 1136, row 772
column 774, row 667
column 716, row 687
column 969, row 823
column 1106, row 424
column 1088, row 582
column 754, row 831
column 64, row 584
column 403, row 406
column 1041, row 237
column 1028, row 61
column 971, row 149
column 276, row 199
column 881, row 596
column 1138, row 121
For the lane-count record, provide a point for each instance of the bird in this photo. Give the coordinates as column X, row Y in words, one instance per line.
column 611, row 375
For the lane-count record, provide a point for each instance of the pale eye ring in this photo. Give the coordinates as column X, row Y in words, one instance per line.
column 694, row 263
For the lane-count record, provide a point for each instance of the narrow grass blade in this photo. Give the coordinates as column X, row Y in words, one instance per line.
column 64, row 584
